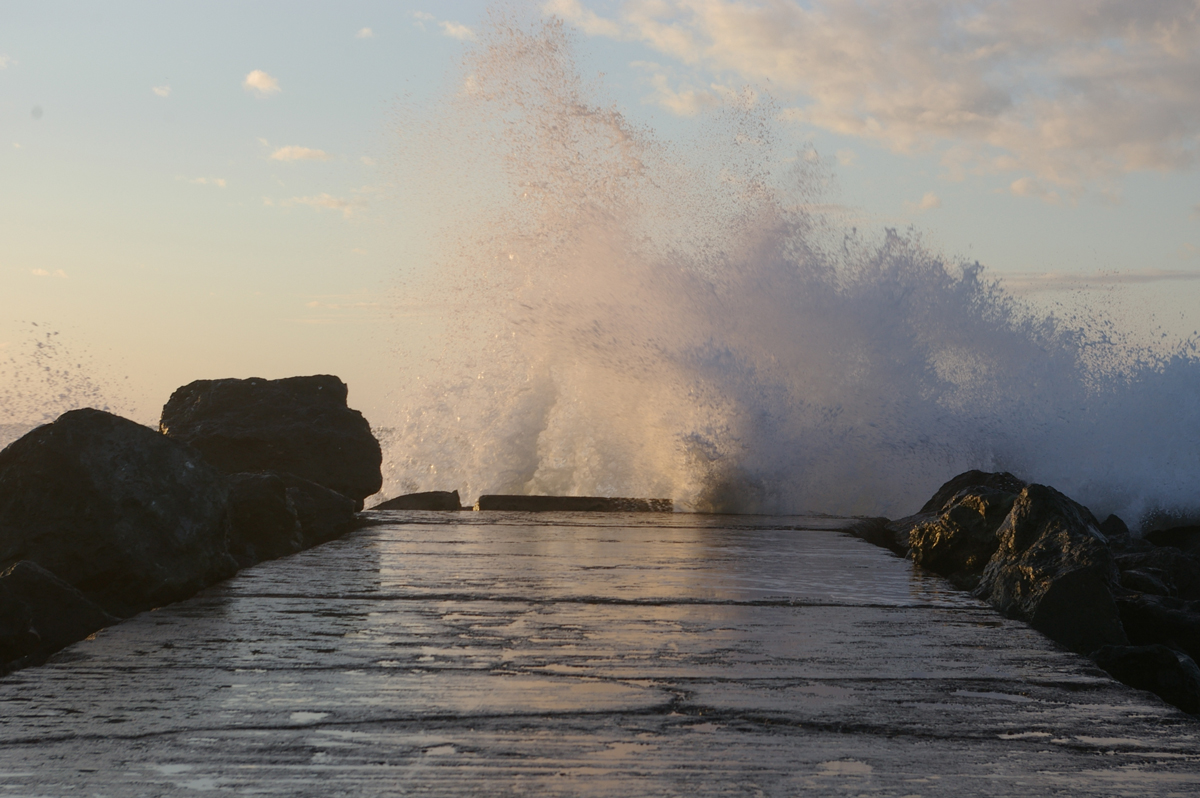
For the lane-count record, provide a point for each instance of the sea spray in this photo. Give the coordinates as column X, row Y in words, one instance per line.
column 622, row 316
column 42, row 376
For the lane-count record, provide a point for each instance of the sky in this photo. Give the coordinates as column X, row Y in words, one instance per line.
column 209, row 190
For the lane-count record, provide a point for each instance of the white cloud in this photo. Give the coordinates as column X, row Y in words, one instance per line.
column 365, row 33
column 162, row 91
column 5, row 61
column 17, row 145
column 261, row 83
column 367, row 161
column 299, row 154
column 324, row 202
column 929, row 202
column 582, row 18
column 43, row 273
column 1074, row 94
column 456, row 31
column 1028, row 187
column 846, row 157
column 424, row 15
column 208, row 181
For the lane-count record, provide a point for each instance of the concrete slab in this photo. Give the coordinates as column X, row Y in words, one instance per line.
column 584, row 654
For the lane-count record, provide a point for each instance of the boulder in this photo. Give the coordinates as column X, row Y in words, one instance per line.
column 999, row 480
column 40, row 614
column 959, row 540
column 273, row 515
column 1158, row 619
column 1178, row 573
column 1053, row 569
column 131, row 518
column 298, row 425
column 1169, row 674
column 1184, row 538
column 324, row 514
column 429, row 500
column 878, row 532
column 262, row 519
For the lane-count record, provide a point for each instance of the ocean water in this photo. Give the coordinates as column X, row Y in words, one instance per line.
column 620, row 313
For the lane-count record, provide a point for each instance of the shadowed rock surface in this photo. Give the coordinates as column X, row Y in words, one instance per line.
column 573, row 504
column 429, row 500
column 298, row 425
column 131, row 518
column 959, row 541
column 1169, row 674
column 594, row 655
column 40, row 614
column 263, row 522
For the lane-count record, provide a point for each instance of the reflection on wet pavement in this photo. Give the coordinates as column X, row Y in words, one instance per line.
column 581, row 654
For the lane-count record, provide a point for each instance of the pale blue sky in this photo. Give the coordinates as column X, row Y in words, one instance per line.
column 178, row 221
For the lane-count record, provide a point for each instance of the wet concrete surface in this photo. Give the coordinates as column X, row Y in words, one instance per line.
column 584, row 654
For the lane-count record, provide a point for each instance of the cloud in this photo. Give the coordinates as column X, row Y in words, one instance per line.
column 5, row 61
column 367, row 160
column 208, row 181
column 1074, row 94
column 582, row 18
column 261, row 83
column 162, row 91
column 324, row 202
column 846, row 157
column 456, row 31
column 43, row 273
column 299, row 154
column 1028, row 187
column 365, row 33
column 424, row 15
column 929, row 202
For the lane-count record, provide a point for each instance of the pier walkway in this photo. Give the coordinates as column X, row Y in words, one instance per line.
column 584, row 654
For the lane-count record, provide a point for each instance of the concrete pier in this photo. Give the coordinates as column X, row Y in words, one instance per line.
column 584, row 654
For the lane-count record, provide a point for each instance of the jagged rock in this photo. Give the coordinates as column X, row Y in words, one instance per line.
column 1151, row 580
column 959, row 541
column 574, row 504
column 1157, row 619
column 131, row 518
column 298, row 425
column 1054, row 570
column 1169, row 674
column 40, row 614
column 429, row 500
column 999, row 480
column 263, row 522
column 1178, row 573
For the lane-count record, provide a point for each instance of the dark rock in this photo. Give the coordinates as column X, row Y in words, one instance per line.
column 574, row 504
column 877, row 531
column 959, row 541
column 1155, row 619
column 1000, row 480
column 1184, row 538
column 299, row 425
column 131, row 518
column 899, row 532
column 324, row 514
column 40, row 614
column 1054, row 570
column 1113, row 527
column 1152, row 581
column 430, row 500
column 263, row 522
column 1178, row 572
column 1169, row 674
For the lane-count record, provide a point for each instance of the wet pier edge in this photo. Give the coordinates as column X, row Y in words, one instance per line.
column 584, row 654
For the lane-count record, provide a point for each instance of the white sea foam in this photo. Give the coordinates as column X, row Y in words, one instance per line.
column 629, row 317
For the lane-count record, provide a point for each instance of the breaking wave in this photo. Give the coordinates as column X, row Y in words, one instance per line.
column 625, row 316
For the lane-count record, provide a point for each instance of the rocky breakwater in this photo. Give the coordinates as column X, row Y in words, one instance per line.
column 1131, row 604
column 102, row 518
